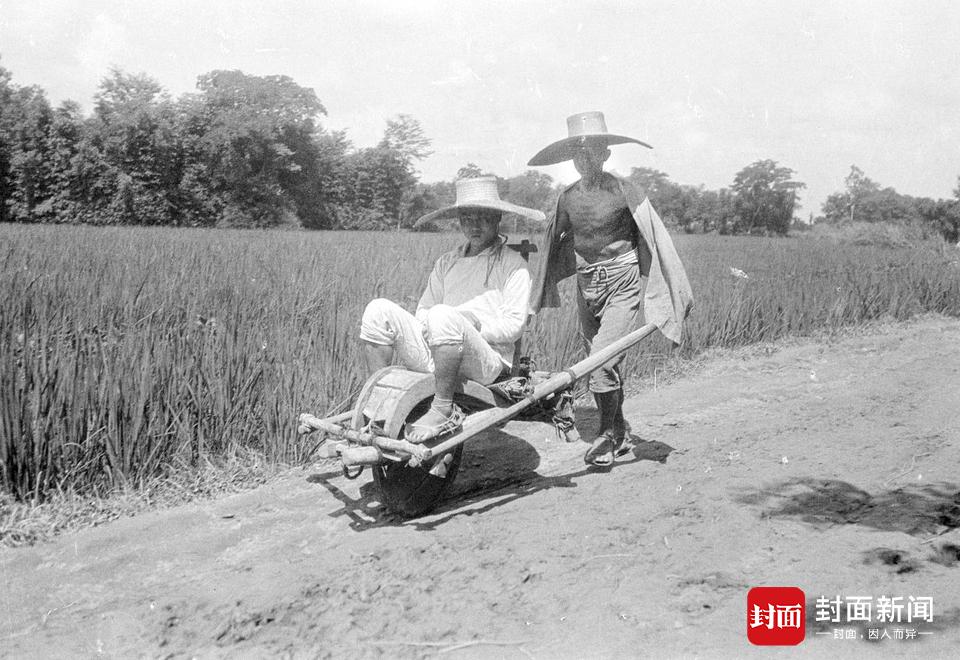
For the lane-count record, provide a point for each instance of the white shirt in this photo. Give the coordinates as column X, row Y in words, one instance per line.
column 494, row 285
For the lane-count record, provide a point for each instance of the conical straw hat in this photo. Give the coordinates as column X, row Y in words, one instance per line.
column 480, row 193
column 581, row 128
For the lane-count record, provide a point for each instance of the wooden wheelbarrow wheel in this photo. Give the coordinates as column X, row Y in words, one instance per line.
column 393, row 397
column 413, row 491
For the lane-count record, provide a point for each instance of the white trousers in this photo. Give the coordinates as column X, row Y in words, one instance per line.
column 387, row 324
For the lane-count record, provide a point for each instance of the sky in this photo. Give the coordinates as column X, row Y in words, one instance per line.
column 712, row 86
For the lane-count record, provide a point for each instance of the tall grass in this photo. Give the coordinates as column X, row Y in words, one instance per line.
column 798, row 286
column 130, row 355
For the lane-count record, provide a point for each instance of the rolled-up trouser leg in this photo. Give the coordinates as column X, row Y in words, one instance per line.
column 609, row 308
column 387, row 324
column 446, row 326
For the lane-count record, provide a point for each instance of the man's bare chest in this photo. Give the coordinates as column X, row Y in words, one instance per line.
column 597, row 210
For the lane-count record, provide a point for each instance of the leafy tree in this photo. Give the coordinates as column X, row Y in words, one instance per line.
column 420, row 201
column 428, row 197
column 6, row 116
column 405, row 136
column 670, row 199
column 135, row 124
column 941, row 216
column 377, row 178
column 43, row 161
column 859, row 190
column 531, row 189
column 28, row 119
column 764, row 197
column 866, row 201
column 28, row 181
column 708, row 210
column 949, row 219
column 243, row 150
column 68, row 199
column 253, row 135
column 379, row 183
column 470, row 171
column 321, row 190
column 652, row 183
column 690, row 208
column 854, row 204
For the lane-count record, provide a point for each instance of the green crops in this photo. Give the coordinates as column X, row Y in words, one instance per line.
column 128, row 354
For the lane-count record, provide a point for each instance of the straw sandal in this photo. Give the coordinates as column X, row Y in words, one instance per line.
column 602, row 453
column 624, row 445
column 422, row 432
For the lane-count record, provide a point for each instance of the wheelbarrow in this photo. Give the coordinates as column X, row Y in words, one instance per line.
column 413, row 477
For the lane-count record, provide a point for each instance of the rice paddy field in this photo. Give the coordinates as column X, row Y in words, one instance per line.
column 131, row 357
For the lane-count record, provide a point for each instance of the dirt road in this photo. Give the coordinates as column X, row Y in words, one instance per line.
column 830, row 466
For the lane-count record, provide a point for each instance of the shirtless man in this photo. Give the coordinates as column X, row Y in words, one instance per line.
column 598, row 235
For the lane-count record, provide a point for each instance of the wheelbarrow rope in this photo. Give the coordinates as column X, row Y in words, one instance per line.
column 348, row 475
column 317, row 445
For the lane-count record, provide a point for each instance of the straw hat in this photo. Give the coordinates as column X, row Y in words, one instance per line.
column 582, row 127
column 480, row 193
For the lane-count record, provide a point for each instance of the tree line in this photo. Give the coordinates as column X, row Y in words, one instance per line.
column 245, row 151
column 763, row 199
column 864, row 200
column 250, row 151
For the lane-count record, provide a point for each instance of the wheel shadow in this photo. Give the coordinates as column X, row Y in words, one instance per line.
column 512, row 486
column 497, row 468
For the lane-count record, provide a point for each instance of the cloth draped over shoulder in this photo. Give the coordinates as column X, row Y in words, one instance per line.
column 668, row 296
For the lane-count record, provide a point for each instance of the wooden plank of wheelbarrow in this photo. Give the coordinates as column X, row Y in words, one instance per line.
column 480, row 421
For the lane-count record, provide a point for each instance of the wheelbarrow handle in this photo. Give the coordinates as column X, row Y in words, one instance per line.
column 419, row 452
column 478, row 422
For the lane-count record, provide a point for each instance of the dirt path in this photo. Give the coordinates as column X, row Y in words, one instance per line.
column 832, row 467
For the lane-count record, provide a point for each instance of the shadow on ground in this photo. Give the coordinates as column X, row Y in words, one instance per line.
column 926, row 512
column 915, row 510
column 497, row 468
column 642, row 450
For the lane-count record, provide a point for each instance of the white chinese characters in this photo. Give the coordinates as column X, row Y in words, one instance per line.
column 891, row 609
column 776, row 616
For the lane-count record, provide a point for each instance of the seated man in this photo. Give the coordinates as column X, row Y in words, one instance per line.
column 468, row 318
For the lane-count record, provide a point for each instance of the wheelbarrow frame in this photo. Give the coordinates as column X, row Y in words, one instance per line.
column 356, row 443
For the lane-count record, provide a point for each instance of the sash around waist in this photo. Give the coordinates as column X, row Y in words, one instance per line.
column 612, row 266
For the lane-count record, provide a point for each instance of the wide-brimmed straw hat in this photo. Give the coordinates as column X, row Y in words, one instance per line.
column 582, row 127
column 480, row 193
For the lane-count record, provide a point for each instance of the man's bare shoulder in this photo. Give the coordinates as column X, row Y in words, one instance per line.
column 625, row 186
column 565, row 193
